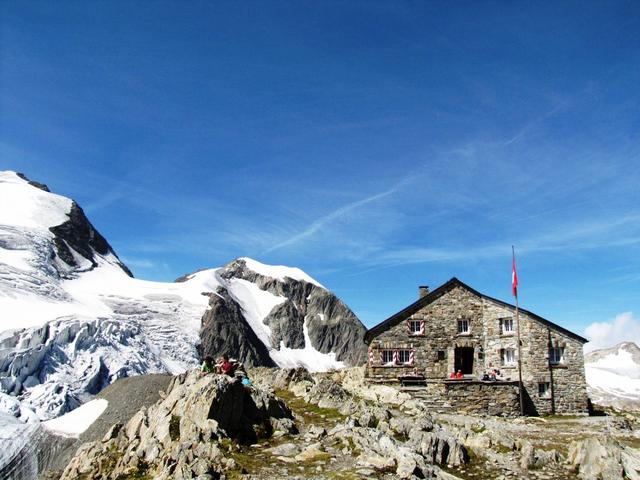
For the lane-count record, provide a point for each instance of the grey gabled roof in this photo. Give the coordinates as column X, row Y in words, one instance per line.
column 441, row 290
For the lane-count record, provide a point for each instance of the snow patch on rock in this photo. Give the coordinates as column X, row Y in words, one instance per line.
column 75, row 422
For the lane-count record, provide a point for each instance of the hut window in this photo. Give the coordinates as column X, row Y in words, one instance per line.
column 463, row 327
column 507, row 325
column 404, row 356
column 507, row 356
column 387, row 357
column 556, row 355
column 416, row 327
column 544, row 390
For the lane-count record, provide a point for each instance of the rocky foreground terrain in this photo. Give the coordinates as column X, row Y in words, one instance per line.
column 293, row 424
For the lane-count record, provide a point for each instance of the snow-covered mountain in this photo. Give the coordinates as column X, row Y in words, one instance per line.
column 613, row 376
column 73, row 319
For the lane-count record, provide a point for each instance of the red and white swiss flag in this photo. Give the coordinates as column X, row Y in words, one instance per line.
column 514, row 276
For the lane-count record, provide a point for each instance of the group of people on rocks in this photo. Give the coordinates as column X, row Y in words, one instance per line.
column 225, row 366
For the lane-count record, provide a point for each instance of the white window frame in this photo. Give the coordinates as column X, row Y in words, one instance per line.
column 412, row 324
column 383, row 353
column 505, row 330
column 401, row 353
column 464, row 322
column 505, row 353
column 544, row 392
column 556, row 356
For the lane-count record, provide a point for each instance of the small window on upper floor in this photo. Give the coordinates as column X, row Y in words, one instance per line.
column 556, row 355
column 463, row 327
column 416, row 327
column 507, row 326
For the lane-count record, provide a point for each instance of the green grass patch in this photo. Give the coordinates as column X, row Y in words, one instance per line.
column 633, row 442
column 174, row 427
column 311, row 413
column 141, row 472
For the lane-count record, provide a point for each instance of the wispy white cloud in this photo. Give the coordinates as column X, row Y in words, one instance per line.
column 625, row 327
column 624, row 231
column 139, row 263
column 336, row 214
column 530, row 126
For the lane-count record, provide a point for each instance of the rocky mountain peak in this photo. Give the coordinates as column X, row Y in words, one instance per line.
column 623, row 347
column 39, row 185
column 38, row 217
column 299, row 318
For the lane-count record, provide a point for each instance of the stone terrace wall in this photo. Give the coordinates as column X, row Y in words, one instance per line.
column 470, row 397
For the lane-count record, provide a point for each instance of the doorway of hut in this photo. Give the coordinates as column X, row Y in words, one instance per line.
column 463, row 360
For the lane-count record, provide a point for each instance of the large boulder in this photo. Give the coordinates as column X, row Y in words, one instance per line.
column 603, row 458
column 179, row 436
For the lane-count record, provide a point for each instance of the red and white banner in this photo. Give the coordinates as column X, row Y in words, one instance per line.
column 514, row 276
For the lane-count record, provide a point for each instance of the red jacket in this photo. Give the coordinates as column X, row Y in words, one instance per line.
column 228, row 368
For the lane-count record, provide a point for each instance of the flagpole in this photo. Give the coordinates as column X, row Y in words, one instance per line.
column 513, row 252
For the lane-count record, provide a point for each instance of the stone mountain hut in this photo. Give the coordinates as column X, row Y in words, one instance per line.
column 456, row 328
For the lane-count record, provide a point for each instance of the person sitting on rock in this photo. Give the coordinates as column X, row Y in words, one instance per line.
column 227, row 368
column 459, row 375
column 207, row 365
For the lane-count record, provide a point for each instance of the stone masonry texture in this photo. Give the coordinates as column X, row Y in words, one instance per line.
column 434, row 356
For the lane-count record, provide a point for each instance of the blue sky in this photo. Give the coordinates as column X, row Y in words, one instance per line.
column 377, row 145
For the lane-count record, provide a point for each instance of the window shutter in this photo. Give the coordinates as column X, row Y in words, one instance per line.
column 422, row 325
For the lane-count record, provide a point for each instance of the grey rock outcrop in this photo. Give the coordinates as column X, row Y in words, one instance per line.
column 224, row 329
column 179, row 437
column 79, row 234
column 330, row 325
column 604, row 458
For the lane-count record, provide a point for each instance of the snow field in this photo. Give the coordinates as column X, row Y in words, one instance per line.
column 75, row 422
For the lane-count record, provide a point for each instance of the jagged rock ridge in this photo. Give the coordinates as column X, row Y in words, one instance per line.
column 308, row 316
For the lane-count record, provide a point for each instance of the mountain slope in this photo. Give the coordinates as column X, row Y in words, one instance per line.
column 295, row 321
column 613, row 376
column 74, row 320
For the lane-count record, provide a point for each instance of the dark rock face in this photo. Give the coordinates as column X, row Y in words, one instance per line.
column 79, row 234
column 331, row 325
column 224, row 330
column 39, row 185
